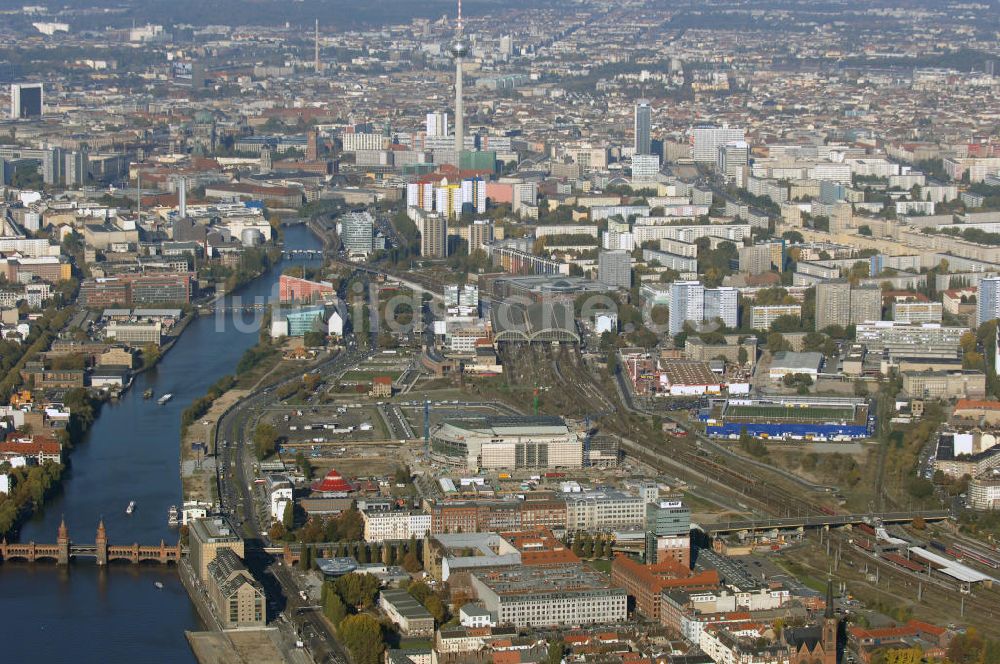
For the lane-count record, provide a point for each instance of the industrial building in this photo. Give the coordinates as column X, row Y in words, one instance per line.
column 789, row 363
column 238, row 598
column 406, row 612
column 207, row 537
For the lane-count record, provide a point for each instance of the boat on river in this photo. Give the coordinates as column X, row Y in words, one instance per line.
column 131, row 507
column 164, row 399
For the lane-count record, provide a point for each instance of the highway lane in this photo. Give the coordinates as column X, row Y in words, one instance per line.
column 245, row 503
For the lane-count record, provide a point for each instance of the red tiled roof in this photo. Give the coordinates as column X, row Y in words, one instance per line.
column 962, row 404
column 33, row 447
column 909, row 629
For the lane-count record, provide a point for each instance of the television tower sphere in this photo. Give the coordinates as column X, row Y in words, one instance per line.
column 459, row 49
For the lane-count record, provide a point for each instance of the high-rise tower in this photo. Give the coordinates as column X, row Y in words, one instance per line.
column 643, row 127
column 458, row 51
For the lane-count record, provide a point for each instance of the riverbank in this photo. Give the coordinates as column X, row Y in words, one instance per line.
column 198, row 470
column 130, row 453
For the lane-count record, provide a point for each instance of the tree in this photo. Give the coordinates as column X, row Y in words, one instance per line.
column 741, row 356
column 305, row 557
column 904, row 656
column 776, row 343
column 333, row 606
column 557, row 650
column 265, row 440
column 313, row 339
column 420, row 591
column 436, row 608
column 357, row 590
column 411, row 563
column 362, row 635
column 288, row 517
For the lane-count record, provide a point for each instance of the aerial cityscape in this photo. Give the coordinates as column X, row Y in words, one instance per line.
column 522, row 332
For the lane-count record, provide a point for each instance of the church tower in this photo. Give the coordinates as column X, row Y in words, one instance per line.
column 830, row 624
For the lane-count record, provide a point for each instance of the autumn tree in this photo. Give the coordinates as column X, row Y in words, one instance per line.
column 362, row 635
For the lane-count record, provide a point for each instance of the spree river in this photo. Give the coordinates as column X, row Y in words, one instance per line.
column 88, row 614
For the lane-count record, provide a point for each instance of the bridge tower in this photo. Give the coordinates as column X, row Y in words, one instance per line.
column 101, row 544
column 62, row 542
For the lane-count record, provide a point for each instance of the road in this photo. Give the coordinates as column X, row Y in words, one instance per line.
column 238, row 494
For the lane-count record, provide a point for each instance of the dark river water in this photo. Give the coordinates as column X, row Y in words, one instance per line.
column 87, row 614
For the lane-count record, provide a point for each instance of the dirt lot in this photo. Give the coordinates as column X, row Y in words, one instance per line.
column 199, row 483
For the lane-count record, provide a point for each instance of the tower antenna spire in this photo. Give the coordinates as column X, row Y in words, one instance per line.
column 458, row 51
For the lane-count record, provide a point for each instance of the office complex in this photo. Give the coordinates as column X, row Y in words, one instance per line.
column 382, row 525
column 554, row 596
column 645, row 167
column 357, row 233
column 643, row 121
column 462, row 300
column 614, row 268
column 706, row 142
column 731, row 158
column 668, row 532
column 604, row 510
column 26, row 101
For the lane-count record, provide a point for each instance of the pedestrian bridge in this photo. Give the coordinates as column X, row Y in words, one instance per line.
column 820, row 521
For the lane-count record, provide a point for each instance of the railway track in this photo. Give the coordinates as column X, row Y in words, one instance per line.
column 571, row 374
column 982, row 604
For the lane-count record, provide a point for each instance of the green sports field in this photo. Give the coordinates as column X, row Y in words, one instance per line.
column 780, row 413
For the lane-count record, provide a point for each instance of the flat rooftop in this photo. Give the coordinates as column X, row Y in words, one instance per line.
column 405, row 604
column 557, row 579
column 214, row 529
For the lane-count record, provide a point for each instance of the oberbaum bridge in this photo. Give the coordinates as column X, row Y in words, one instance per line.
column 101, row 551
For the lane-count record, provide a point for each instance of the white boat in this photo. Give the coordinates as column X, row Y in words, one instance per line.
column 159, row 585
column 172, row 516
column 131, row 507
column 164, row 399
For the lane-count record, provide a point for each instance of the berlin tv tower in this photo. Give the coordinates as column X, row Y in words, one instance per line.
column 458, row 51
